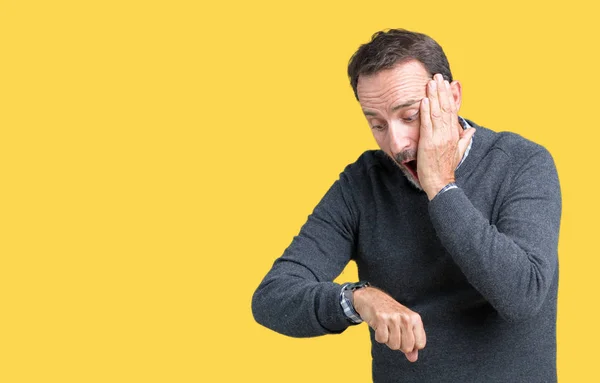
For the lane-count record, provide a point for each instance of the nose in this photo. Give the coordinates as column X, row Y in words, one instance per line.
column 398, row 137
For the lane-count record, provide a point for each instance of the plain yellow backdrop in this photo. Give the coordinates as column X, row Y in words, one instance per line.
column 157, row 156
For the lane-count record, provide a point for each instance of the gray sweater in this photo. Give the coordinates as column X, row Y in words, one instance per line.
column 479, row 263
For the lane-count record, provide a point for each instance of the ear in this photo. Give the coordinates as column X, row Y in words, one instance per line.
column 456, row 89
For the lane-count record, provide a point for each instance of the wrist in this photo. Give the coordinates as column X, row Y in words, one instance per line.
column 361, row 298
column 439, row 188
column 347, row 300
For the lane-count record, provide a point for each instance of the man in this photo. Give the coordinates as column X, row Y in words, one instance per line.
column 454, row 229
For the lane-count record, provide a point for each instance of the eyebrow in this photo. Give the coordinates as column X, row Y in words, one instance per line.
column 395, row 108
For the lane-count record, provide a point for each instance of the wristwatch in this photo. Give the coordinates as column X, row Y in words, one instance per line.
column 350, row 287
column 347, row 300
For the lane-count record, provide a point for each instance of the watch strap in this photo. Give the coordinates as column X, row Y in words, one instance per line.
column 347, row 301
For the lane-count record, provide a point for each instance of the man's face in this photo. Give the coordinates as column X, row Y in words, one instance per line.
column 390, row 100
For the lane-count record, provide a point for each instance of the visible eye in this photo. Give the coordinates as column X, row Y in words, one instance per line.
column 377, row 124
column 412, row 118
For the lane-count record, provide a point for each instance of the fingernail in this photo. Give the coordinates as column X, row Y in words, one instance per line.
column 432, row 85
column 426, row 101
column 447, row 84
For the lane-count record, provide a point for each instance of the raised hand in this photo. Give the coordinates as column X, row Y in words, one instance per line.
column 442, row 141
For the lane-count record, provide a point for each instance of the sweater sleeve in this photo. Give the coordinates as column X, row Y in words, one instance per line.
column 297, row 296
column 512, row 264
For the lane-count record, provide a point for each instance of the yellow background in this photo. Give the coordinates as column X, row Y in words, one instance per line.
column 157, row 156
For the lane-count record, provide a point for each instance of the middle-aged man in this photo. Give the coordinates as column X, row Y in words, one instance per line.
column 454, row 229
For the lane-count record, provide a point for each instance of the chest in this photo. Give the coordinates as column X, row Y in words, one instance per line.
column 399, row 251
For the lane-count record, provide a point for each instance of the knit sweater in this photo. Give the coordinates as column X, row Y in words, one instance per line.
column 479, row 263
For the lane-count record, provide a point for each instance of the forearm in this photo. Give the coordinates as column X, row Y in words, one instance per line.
column 297, row 297
column 298, row 305
column 513, row 272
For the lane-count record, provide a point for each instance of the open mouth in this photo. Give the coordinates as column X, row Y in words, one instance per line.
column 411, row 165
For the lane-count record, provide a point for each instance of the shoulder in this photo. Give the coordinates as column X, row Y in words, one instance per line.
column 516, row 148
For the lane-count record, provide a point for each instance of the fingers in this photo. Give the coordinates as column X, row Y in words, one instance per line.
column 453, row 105
column 445, row 104
column 408, row 337
column 434, row 104
column 443, row 110
column 420, row 342
column 381, row 333
column 420, row 337
column 463, row 142
column 412, row 356
column 424, row 113
column 401, row 331
column 437, row 152
column 394, row 324
column 395, row 340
